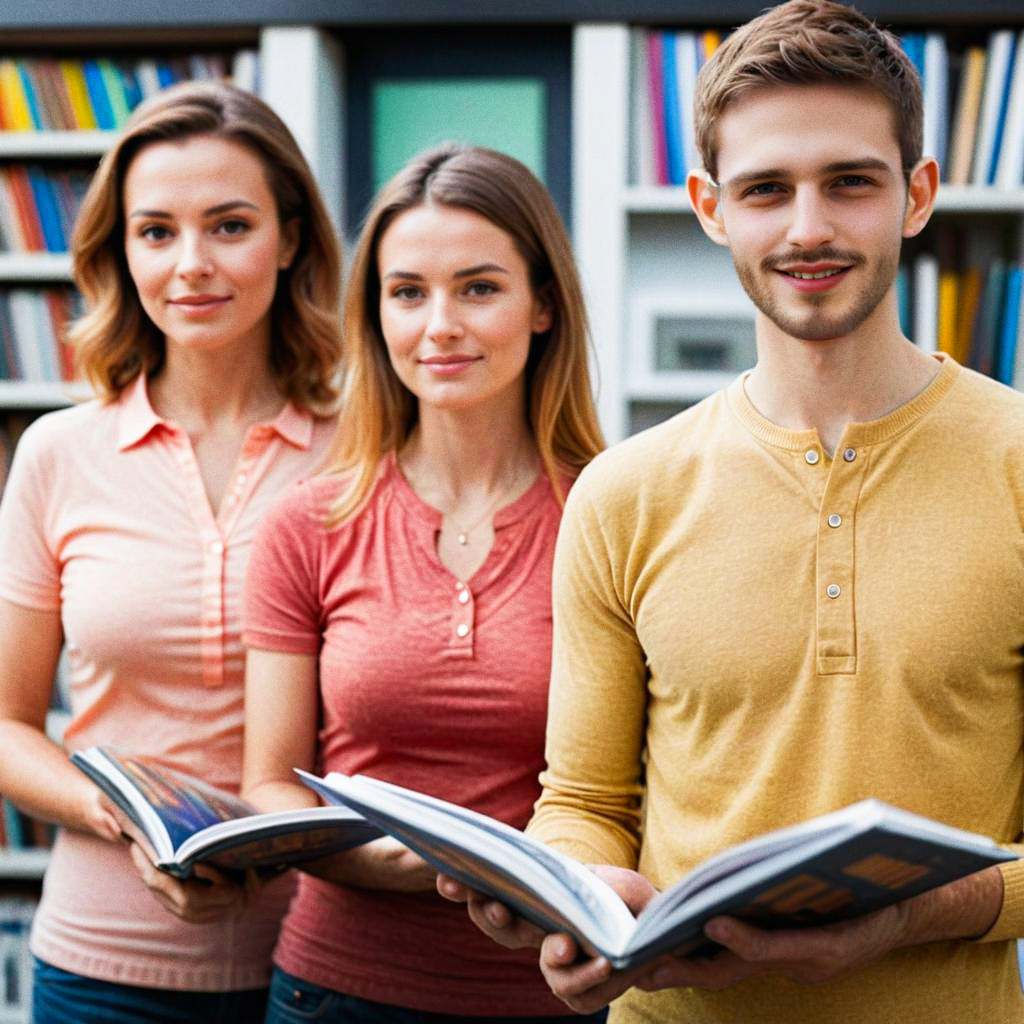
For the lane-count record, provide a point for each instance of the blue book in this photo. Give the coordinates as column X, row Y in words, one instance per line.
column 30, row 96
column 165, row 74
column 673, row 115
column 47, row 209
column 132, row 88
column 903, row 301
column 1006, row 353
column 98, row 96
column 913, row 47
column 1004, row 102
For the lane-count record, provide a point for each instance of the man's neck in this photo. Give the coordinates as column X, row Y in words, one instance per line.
column 823, row 385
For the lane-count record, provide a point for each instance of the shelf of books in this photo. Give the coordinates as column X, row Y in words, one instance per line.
column 670, row 321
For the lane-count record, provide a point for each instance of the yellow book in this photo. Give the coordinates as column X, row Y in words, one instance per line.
column 78, row 91
column 711, row 40
column 968, row 112
column 16, row 115
column 948, row 288
column 966, row 313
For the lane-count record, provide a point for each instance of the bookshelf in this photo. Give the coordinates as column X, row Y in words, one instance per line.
column 646, row 265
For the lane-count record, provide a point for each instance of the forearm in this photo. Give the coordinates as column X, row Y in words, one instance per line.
column 37, row 777
column 964, row 909
column 279, row 795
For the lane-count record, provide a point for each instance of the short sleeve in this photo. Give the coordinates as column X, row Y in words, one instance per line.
column 29, row 557
column 282, row 607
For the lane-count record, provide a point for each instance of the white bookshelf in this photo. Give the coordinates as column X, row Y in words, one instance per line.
column 640, row 245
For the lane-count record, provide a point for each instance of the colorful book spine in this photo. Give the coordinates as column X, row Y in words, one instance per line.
column 1006, row 355
column 656, row 91
column 674, row 157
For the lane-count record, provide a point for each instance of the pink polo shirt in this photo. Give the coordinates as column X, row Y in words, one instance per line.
column 106, row 519
column 426, row 680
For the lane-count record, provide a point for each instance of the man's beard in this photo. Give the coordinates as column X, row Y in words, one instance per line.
column 816, row 325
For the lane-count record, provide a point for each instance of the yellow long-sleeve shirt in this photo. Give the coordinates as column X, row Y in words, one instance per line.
column 749, row 633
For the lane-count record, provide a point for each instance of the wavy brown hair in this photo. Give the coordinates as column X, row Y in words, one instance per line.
column 810, row 42
column 115, row 340
column 378, row 411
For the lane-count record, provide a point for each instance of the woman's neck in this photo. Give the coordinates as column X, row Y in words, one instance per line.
column 198, row 390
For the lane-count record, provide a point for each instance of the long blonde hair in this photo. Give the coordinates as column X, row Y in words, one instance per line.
column 115, row 340
column 378, row 411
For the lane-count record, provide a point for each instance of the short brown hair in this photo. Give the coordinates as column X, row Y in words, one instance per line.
column 378, row 411
column 115, row 340
column 809, row 42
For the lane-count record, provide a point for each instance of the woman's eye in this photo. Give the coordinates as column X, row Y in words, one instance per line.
column 233, row 227
column 155, row 232
column 481, row 288
column 406, row 292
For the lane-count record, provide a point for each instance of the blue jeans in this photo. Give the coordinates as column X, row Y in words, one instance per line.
column 294, row 1001
column 60, row 997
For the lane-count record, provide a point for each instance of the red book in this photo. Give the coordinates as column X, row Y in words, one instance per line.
column 25, row 206
column 656, row 95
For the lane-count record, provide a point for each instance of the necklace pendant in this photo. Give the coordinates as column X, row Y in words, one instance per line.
column 462, row 539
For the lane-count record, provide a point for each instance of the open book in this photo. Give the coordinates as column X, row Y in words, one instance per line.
column 182, row 821
column 830, row 868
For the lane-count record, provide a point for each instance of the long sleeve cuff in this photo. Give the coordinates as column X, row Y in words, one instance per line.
column 1010, row 922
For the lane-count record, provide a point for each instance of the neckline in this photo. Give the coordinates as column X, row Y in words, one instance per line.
column 860, row 433
column 519, row 508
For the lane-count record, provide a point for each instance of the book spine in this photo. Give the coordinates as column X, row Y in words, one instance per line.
column 1006, row 356
column 98, row 95
column 46, row 209
column 1004, row 102
column 31, row 100
column 995, row 72
column 78, row 94
column 673, row 114
column 656, row 91
column 1009, row 172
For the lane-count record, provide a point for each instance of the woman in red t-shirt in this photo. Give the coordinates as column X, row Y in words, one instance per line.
column 398, row 612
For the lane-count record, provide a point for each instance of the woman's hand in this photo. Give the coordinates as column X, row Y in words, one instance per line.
column 98, row 813
column 383, row 863
column 208, row 896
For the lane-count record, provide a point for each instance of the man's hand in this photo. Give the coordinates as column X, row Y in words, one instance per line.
column 961, row 910
column 207, row 897
column 581, row 979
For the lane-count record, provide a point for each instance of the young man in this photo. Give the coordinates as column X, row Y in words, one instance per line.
column 805, row 590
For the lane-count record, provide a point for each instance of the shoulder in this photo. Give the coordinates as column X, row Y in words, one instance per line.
column 66, row 433
column 633, row 468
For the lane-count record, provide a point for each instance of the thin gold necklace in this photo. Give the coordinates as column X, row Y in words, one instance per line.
column 464, row 532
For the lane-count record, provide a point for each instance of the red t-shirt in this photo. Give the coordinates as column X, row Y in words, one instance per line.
column 428, row 681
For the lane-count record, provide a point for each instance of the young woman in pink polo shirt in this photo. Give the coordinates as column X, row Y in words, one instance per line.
column 211, row 274
column 398, row 612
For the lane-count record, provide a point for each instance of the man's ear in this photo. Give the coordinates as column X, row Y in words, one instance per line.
column 921, row 191
column 704, row 198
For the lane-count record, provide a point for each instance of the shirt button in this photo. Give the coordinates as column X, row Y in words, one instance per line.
column 850, row 454
column 811, row 456
column 460, row 585
column 216, row 548
column 240, row 479
column 833, row 590
column 835, row 520
column 464, row 597
column 462, row 629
